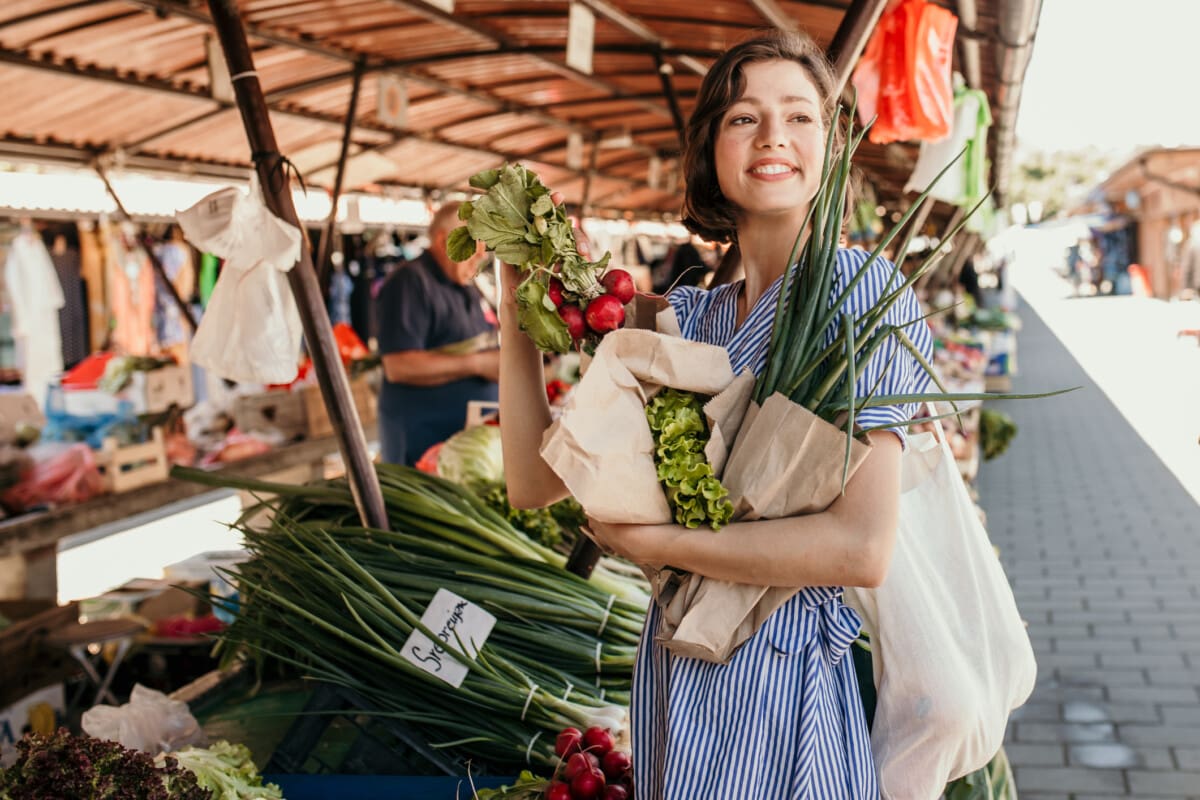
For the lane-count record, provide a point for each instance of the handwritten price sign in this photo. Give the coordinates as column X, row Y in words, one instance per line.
column 459, row 625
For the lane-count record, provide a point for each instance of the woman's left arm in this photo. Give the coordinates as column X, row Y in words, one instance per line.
column 848, row 544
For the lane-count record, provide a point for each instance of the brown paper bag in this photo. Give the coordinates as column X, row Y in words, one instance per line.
column 601, row 446
column 786, row 461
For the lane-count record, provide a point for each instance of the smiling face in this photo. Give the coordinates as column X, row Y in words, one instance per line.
column 770, row 143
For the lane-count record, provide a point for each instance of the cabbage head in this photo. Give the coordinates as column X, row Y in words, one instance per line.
column 472, row 457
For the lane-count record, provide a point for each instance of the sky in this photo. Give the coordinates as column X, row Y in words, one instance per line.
column 1113, row 75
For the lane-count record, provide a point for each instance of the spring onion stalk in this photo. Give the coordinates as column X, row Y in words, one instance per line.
column 337, row 601
column 330, row 602
column 818, row 350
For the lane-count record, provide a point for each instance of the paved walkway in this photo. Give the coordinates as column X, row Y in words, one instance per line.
column 1102, row 544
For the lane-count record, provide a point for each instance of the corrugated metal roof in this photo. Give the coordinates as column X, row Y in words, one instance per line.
column 486, row 83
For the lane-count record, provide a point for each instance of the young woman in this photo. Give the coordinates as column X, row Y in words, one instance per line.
column 783, row 720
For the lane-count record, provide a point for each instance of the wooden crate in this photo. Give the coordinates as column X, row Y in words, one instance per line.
column 319, row 423
column 135, row 465
column 278, row 410
column 157, row 390
column 26, row 663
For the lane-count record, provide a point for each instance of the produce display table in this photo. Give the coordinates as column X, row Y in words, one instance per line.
column 229, row 707
column 32, row 539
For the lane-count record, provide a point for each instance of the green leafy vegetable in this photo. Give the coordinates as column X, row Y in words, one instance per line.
column 550, row 526
column 517, row 220
column 227, row 771
column 544, row 326
column 62, row 765
column 527, row 787
column 472, row 457
column 460, row 246
column 996, row 430
column 680, row 433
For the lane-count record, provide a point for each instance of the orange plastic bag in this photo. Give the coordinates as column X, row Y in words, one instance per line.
column 904, row 75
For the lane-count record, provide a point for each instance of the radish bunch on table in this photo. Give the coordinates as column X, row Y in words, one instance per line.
column 591, row 768
column 564, row 301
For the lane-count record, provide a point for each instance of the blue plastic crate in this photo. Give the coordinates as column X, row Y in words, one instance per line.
column 381, row 787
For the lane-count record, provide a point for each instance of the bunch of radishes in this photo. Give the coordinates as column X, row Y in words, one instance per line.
column 590, row 767
column 598, row 315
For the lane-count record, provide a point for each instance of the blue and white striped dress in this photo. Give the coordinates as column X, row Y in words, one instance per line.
column 784, row 719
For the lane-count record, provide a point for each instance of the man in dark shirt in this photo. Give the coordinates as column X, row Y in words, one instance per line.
column 438, row 347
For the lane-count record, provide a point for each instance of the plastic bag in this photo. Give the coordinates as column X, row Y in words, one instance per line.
column 150, row 722
column 950, row 653
column 251, row 330
column 904, row 75
column 61, row 473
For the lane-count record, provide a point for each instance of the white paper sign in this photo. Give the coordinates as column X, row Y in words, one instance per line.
column 454, row 620
column 654, row 172
column 219, row 84
column 575, row 150
column 581, row 37
column 391, row 104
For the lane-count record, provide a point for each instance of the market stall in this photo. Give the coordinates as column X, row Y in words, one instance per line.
column 593, row 103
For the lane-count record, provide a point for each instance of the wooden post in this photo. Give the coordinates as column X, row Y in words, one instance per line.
column 323, row 251
column 184, row 308
column 851, row 37
column 276, row 188
column 664, row 75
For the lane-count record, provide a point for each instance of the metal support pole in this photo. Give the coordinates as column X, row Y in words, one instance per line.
column 276, row 187
column 851, row 37
column 323, row 251
column 664, row 75
column 184, row 308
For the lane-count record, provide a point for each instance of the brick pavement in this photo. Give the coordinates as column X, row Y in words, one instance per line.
column 1102, row 545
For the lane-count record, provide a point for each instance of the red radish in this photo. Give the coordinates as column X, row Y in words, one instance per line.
column 571, row 315
column 587, row 785
column 616, row 793
column 619, row 284
column 576, row 764
column 616, row 763
column 555, row 292
column 558, row 791
column 605, row 313
column 597, row 740
column 569, row 741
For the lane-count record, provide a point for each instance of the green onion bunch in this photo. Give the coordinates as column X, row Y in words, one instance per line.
column 800, row 365
column 337, row 602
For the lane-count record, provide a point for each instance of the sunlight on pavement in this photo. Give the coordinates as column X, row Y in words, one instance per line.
column 1129, row 346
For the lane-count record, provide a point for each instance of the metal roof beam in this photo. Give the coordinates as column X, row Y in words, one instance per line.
column 772, row 13
column 502, row 106
column 637, row 28
column 486, row 32
column 157, row 85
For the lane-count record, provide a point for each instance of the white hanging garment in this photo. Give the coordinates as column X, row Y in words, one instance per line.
column 36, row 296
column 934, row 156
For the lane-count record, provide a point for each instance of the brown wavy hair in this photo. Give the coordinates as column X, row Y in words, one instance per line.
column 706, row 211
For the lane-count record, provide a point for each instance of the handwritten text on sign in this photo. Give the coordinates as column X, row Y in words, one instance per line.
column 457, row 623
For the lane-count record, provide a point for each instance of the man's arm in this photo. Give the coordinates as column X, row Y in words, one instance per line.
column 427, row 368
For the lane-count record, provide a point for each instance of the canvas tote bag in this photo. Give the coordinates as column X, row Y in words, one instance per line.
column 951, row 654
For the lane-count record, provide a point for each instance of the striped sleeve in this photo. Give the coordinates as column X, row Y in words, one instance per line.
column 893, row 369
column 685, row 301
